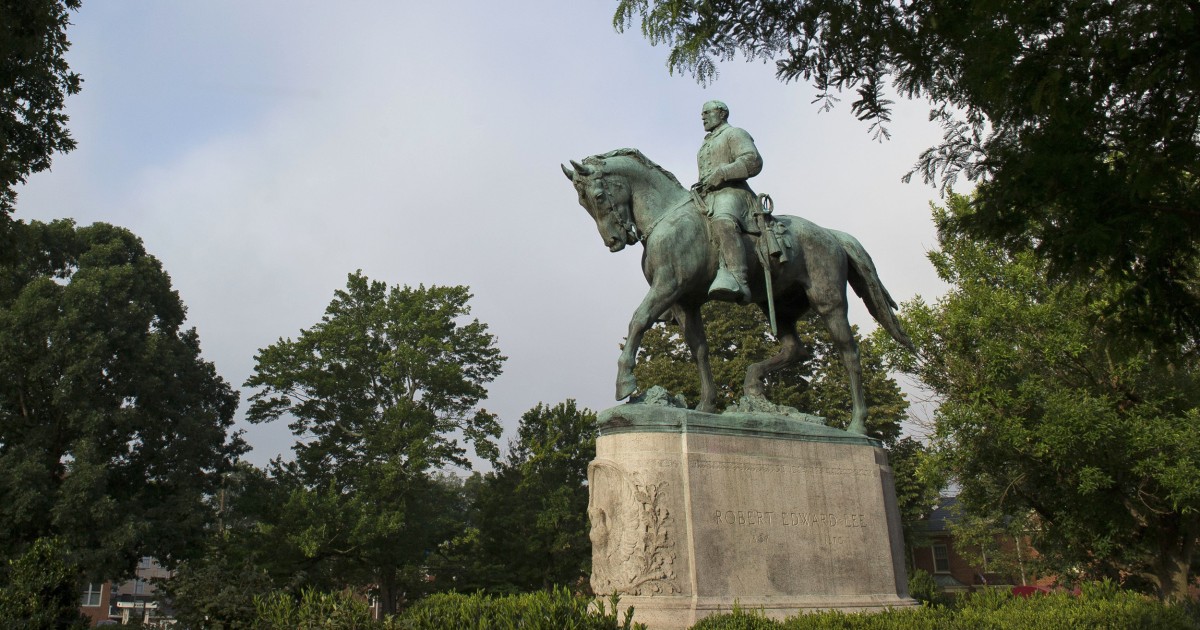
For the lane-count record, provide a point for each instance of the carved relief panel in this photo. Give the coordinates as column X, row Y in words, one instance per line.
column 632, row 533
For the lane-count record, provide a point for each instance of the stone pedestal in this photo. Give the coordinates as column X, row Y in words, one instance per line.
column 692, row 512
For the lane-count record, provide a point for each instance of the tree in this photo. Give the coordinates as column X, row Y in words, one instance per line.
column 738, row 337
column 217, row 588
column 916, row 492
column 1088, row 440
column 34, row 84
column 376, row 391
column 113, row 430
column 216, row 592
column 39, row 590
column 532, row 511
column 1080, row 119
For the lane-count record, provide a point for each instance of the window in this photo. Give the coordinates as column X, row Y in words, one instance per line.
column 91, row 595
column 941, row 559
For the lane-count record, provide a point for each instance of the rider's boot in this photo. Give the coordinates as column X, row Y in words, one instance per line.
column 730, row 283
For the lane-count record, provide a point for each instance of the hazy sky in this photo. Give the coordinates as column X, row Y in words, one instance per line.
column 264, row 150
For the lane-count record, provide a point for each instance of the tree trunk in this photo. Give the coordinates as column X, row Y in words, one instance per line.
column 387, row 592
column 1176, row 546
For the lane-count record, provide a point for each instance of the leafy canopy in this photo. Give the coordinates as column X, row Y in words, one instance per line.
column 394, row 368
column 34, row 84
column 1089, row 440
column 1079, row 119
column 113, row 430
column 532, row 511
column 376, row 393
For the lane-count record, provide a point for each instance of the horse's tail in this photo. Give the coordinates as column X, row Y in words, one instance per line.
column 866, row 284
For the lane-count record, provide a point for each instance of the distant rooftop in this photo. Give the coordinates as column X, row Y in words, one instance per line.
column 943, row 514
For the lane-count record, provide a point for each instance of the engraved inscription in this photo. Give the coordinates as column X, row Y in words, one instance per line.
column 795, row 469
column 763, row 518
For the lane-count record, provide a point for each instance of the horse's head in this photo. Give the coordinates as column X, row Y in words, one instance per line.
column 607, row 198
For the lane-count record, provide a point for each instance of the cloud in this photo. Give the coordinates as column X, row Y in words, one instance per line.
column 265, row 153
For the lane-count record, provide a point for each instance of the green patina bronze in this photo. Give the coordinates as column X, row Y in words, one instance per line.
column 658, row 412
column 633, row 200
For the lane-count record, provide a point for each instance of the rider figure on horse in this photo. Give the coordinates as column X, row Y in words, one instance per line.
column 727, row 159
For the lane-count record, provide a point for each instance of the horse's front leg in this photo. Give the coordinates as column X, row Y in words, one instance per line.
column 660, row 297
column 693, row 333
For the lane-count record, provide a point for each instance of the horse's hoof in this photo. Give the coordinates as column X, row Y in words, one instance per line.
column 755, row 393
column 626, row 388
column 706, row 408
column 857, row 426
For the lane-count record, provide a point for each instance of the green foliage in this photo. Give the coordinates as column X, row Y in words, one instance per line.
column 916, row 491
column 555, row 609
column 113, row 430
column 1081, row 119
column 377, row 391
column 1103, row 608
column 532, row 511
column 1085, row 440
column 34, row 84
column 1099, row 606
column 922, row 587
column 385, row 371
column 739, row 336
column 738, row 619
column 216, row 592
column 999, row 610
column 40, row 590
column 311, row 610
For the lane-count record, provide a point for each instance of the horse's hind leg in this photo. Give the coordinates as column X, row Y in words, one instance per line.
column 693, row 333
column 790, row 353
column 843, row 339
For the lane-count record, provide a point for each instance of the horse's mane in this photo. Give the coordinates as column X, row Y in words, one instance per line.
column 637, row 155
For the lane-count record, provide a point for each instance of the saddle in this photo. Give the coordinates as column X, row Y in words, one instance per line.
column 771, row 241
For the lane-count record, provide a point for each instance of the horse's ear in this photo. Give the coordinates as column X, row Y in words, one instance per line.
column 568, row 172
column 581, row 169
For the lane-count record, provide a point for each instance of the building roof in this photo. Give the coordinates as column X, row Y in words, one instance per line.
column 941, row 516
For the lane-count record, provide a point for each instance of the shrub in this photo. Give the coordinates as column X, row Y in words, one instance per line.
column 312, row 610
column 40, row 590
column 1099, row 606
column 739, row 619
column 542, row 610
column 923, row 588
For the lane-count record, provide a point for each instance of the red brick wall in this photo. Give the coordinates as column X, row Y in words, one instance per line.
column 98, row 613
column 960, row 569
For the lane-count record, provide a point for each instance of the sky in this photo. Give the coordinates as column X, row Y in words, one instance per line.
column 264, row 150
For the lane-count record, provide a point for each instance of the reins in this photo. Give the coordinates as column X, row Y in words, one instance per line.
column 643, row 236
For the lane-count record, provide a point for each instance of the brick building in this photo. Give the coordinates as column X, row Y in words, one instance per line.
column 937, row 555
column 127, row 601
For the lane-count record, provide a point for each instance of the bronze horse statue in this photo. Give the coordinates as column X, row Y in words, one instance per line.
column 633, row 199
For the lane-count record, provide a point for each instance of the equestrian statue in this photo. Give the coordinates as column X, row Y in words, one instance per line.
column 698, row 244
